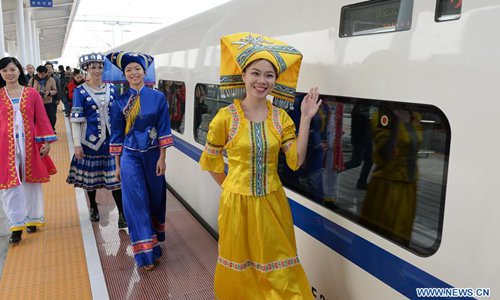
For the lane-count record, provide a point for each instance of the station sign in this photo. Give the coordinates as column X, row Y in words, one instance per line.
column 41, row 3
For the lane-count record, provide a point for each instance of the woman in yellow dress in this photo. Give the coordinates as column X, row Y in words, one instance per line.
column 257, row 251
column 391, row 199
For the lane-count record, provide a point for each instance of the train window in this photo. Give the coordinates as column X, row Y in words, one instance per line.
column 373, row 17
column 448, row 10
column 207, row 102
column 380, row 164
column 175, row 91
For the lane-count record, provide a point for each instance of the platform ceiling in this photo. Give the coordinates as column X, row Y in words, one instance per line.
column 54, row 24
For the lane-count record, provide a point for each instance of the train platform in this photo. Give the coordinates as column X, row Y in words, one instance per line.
column 73, row 258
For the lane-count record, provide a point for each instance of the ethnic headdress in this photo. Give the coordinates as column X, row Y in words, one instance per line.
column 122, row 58
column 240, row 49
column 86, row 59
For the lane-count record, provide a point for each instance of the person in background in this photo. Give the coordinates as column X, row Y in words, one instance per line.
column 140, row 134
column 361, row 140
column 257, row 251
column 77, row 79
column 46, row 86
column 55, row 98
column 30, row 72
column 25, row 137
column 64, row 78
column 92, row 167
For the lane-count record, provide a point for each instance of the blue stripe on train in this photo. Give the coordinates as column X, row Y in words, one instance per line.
column 392, row 270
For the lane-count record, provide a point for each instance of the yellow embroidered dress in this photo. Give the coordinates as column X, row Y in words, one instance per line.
column 257, row 250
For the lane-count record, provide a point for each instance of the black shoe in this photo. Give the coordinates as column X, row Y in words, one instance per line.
column 15, row 238
column 94, row 214
column 122, row 224
column 30, row 229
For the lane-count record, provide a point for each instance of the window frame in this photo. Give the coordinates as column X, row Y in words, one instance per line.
column 442, row 128
column 405, row 7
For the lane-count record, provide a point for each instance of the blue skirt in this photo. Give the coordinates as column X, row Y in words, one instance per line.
column 95, row 170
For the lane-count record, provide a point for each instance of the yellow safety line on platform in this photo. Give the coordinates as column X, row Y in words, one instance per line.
column 50, row 264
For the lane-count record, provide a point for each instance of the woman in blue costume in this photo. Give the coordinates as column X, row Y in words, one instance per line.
column 140, row 134
column 92, row 167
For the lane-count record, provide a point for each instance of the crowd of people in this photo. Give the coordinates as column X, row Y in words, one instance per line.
column 120, row 145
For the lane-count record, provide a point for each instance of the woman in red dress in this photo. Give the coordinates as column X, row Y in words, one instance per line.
column 25, row 137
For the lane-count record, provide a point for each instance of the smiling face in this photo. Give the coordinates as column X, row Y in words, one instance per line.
column 260, row 78
column 10, row 73
column 95, row 71
column 134, row 73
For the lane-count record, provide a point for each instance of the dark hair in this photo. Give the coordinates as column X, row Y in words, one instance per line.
column 274, row 68
column 41, row 69
column 61, row 68
column 3, row 64
column 76, row 71
column 49, row 64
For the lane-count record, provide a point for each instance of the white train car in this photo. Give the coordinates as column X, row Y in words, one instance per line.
column 436, row 57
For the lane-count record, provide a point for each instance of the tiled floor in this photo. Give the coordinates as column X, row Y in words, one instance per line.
column 185, row 271
column 50, row 264
column 70, row 258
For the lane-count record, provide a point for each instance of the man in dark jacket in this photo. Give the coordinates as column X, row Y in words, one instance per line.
column 56, row 98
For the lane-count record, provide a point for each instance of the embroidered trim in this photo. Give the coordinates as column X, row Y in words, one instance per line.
column 144, row 245
column 235, row 124
column 259, row 158
column 166, row 141
column 11, row 160
column 276, row 120
column 115, row 149
column 131, row 111
column 45, row 138
column 29, row 144
column 272, row 266
column 77, row 114
column 243, row 58
column 212, row 150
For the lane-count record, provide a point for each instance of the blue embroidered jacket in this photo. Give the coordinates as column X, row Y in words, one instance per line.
column 94, row 112
column 151, row 128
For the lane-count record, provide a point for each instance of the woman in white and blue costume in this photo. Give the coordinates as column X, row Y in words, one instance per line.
column 140, row 134
column 92, row 167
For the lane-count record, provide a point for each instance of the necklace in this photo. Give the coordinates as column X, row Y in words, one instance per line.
column 97, row 86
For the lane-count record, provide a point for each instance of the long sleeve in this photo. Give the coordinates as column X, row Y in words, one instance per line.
column 52, row 87
column 211, row 158
column 289, row 141
column 117, row 130
column 58, row 86
column 43, row 128
column 165, row 138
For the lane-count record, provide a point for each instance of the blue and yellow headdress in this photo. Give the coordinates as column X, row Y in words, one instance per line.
column 116, row 62
column 240, row 49
column 122, row 58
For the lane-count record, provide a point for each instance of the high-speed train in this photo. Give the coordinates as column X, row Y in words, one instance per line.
column 437, row 58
